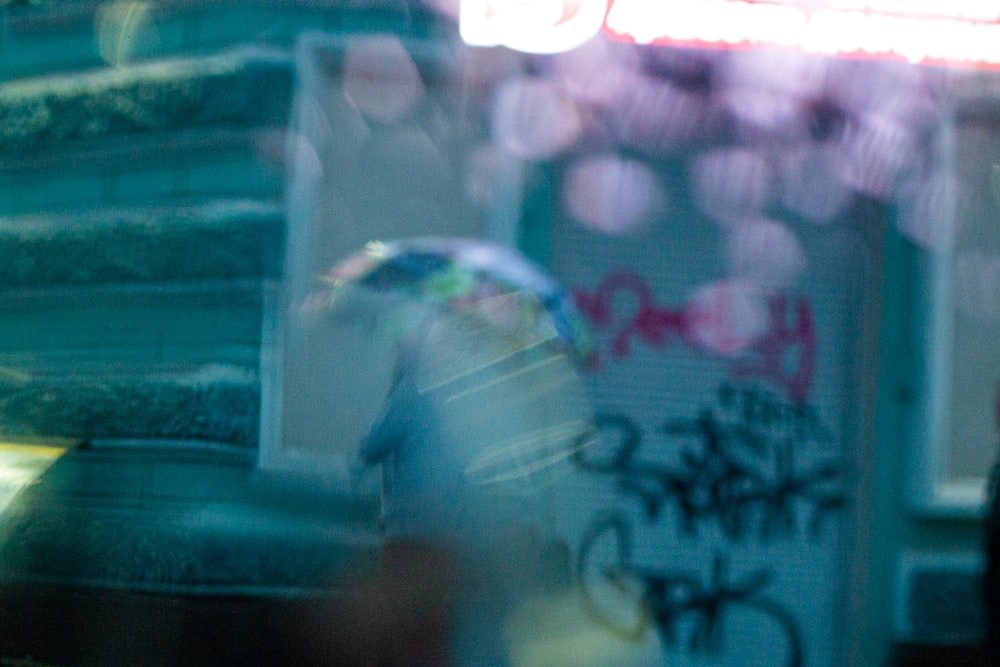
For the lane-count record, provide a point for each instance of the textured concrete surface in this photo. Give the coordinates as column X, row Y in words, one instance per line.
column 212, row 403
column 215, row 240
column 178, row 518
column 244, row 88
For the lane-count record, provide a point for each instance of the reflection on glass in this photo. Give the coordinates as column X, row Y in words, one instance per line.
column 20, row 465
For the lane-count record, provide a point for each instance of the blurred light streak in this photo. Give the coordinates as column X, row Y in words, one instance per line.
column 529, row 453
column 612, row 195
column 873, row 153
column 533, row 119
column 655, row 116
column 446, row 379
column 507, row 377
column 122, row 29
column 12, row 375
column 945, row 34
column 22, row 464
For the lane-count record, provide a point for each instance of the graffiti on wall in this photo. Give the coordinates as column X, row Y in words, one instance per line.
column 736, row 467
column 784, row 355
column 752, row 466
column 685, row 608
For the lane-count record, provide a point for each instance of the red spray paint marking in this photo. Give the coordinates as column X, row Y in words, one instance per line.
column 653, row 324
column 659, row 327
column 772, row 350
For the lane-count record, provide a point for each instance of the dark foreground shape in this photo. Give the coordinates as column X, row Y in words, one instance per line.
column 65, row 625
column 185, row 556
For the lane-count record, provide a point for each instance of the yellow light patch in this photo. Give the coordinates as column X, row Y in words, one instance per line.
column 40, row 451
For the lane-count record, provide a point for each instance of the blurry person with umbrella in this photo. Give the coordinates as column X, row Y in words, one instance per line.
column 486, row 404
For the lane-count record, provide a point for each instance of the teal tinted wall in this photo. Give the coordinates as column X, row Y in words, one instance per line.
column 142, row 212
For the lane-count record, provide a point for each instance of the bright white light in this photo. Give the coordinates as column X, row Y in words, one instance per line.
column 710, row 21
column 983, row 10
column 532, row 26
column 963, row 33
column 21, row 465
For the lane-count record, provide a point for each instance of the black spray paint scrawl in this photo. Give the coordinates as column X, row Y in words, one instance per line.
column 683, row 606
column 738, row 467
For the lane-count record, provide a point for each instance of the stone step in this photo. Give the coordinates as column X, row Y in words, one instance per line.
column 179, row 519
column 112, row 319
column 241, row 89
column 212, row 403
column 215, row 240
column 62, row 35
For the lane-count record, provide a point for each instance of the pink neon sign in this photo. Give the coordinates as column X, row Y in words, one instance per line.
column 963, row 33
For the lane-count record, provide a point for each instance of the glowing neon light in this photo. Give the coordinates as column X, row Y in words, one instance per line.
column 532, row 26
column 923, row 31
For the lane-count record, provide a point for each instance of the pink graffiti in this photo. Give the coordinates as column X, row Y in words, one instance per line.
column 771, row 352
column 655, row 325
column 785, row 354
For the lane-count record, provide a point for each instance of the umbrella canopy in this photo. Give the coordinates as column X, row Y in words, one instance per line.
column 487, row 352
column 487, row 282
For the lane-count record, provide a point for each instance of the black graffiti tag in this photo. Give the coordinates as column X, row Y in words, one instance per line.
column 726, row 474
column 672, row 600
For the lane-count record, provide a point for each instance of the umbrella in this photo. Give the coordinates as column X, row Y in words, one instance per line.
column 488, row 283
column 491, row 354
column 485, row 408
